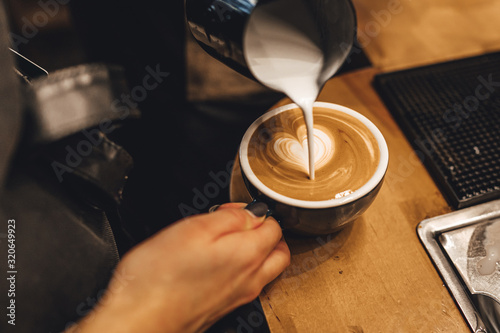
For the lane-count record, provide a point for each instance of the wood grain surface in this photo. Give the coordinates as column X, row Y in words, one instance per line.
column 373, row 276
column 398, row 34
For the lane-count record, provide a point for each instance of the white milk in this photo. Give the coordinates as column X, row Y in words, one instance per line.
column 285, row 54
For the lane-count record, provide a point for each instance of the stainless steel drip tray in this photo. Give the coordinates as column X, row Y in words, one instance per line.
column 465, row 248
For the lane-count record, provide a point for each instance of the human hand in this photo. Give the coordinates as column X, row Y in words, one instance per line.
column 192, row 273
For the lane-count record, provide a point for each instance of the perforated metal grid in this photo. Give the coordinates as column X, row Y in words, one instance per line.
column 450, row 112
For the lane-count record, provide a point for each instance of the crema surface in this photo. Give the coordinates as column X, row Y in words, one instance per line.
column 346, row 154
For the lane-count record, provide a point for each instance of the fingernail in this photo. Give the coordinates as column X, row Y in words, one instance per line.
column 213, row 208
column 257, row 209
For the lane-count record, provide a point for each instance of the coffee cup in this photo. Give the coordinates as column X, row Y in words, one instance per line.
column 351, row 161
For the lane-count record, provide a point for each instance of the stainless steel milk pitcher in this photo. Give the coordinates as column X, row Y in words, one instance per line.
column 220, row 27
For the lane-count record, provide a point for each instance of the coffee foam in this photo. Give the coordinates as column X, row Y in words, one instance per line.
column 346, row 157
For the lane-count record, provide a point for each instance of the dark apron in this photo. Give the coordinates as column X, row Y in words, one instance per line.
column 61, row 181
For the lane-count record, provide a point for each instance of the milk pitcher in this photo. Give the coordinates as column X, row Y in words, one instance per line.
column 225, row 29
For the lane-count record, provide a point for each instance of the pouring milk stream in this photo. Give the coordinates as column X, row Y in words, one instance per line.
column 284, row 52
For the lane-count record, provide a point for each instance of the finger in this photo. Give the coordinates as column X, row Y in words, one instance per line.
column 224, row 221
column 262, row 240
column 275, row 263
column 258, row 208
column 232, row 205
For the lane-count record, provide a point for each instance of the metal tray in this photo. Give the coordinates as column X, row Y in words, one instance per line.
column 458, row 244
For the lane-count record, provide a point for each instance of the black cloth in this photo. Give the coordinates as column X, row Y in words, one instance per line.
column 65, row 252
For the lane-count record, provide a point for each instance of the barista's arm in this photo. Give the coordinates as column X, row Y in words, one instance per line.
column 192, row 273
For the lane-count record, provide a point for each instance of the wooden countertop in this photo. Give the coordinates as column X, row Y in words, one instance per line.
column 397, row 34
column 373, row 276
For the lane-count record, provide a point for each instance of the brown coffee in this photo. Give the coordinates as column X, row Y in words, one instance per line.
column 346, row 154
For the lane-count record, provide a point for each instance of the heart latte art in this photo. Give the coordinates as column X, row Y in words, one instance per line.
column 294, row 150
column 346, row 154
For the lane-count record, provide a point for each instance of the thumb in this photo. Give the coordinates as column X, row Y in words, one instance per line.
column 228, row 220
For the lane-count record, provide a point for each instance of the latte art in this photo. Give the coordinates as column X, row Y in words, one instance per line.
column 295, row 151
column 346, row 154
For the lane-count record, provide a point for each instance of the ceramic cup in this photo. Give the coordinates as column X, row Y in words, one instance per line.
column 314, row 217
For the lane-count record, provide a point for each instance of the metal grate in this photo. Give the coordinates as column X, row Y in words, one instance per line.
column 450, row 112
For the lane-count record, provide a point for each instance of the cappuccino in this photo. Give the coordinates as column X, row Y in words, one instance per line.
column 347, row 154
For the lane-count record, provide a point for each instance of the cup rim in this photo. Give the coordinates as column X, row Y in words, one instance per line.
column 357, row 194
